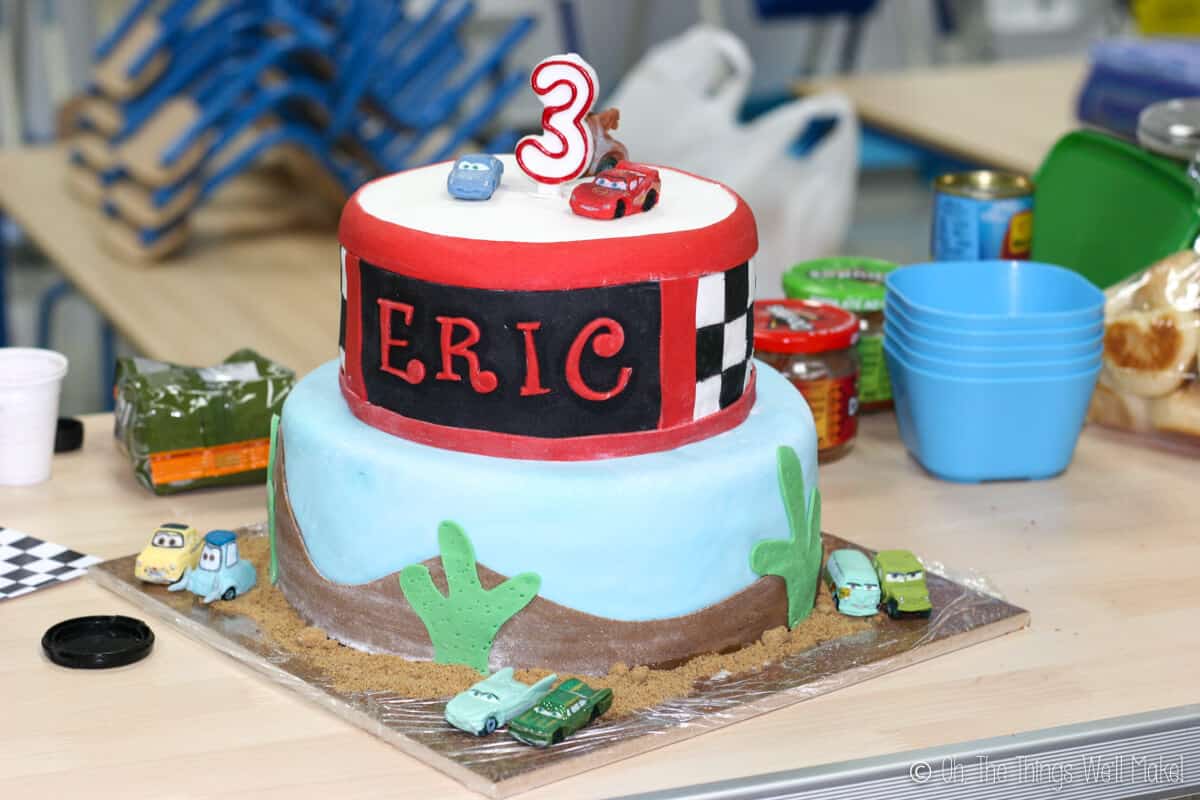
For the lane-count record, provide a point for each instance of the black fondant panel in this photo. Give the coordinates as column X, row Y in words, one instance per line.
column 501, row 350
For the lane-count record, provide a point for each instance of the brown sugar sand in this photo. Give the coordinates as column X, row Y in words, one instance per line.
column 633, row 687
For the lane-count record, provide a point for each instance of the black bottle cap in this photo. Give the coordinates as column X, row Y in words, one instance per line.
column 98, row 642
column 69, row 435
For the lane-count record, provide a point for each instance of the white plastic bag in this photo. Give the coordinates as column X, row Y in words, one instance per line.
column 679, row 108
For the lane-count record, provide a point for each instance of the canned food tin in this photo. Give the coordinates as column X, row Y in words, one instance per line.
column 982, row 215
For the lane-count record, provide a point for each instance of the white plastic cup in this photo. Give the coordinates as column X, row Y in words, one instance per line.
column 30, row 383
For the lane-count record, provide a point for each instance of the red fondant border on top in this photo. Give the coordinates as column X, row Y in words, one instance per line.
column 574, row 448
column 482, row 264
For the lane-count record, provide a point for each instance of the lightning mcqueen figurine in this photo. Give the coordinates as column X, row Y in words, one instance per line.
column 627, row 188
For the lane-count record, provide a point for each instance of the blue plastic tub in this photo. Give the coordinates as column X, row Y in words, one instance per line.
column 997, row 369
column 982, row 430
column 995, row 296
column 897, row 330
column 1015, row 338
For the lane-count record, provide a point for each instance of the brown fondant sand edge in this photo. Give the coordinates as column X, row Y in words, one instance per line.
column 634, row 687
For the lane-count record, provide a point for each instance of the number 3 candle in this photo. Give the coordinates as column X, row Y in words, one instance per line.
column 567, row 87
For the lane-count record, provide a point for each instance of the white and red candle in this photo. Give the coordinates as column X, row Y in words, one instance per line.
column 568, row 88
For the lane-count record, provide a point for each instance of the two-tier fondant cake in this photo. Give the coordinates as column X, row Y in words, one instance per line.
column 567, row 408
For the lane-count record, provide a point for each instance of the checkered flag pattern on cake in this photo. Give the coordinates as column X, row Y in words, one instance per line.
column 28, row 563
column 724, row 338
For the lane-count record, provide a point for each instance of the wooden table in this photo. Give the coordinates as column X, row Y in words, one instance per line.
column 1104, row 557
column 1001, row 115
column 277, row 293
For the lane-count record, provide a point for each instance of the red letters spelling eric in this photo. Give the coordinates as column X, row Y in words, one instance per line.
column 458, row 335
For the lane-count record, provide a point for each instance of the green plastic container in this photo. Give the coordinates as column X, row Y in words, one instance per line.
column 854, row 284
column 1107, row 209
column 191, row 427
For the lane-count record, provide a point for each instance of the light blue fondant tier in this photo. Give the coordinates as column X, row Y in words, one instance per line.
column 635, row 538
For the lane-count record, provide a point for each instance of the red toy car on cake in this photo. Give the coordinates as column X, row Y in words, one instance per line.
column 625, row 189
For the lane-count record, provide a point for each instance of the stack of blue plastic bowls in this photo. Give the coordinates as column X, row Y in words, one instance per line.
column 993, row 364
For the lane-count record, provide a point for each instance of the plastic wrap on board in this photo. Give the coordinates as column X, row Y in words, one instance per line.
column 190, row 427
column 967, row 610
column 1149, row 384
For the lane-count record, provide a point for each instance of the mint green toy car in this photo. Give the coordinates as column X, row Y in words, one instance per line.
column 493, row 701
column 562, row 712
column 852, row 583
column 902, row 583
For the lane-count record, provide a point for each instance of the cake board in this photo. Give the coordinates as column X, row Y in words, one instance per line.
column 498, row 766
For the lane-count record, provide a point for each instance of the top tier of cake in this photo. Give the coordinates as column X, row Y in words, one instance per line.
column 511, row 327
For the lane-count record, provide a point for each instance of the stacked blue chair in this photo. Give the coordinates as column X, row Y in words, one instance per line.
column 189, row 95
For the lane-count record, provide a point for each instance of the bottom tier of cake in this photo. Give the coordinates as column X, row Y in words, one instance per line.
column 641, row 560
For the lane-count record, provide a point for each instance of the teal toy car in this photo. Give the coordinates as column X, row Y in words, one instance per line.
column 902, row 584
column 565, row 710
column 852, row 583
column 220, row 574
column 494, row 701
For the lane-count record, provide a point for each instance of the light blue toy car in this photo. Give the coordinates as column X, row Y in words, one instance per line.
column 494, row 701
column 221, row 574
column 852, row 583
column 475, row 177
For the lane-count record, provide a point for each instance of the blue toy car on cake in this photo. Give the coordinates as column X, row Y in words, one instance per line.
column 475, row 177
column 220, row 574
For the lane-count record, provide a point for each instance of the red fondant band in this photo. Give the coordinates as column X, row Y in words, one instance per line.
column 483, row 264
column 575, row 448
column 354, row 326
column 677, row 361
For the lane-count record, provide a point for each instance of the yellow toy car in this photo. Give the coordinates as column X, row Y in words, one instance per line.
column 173, row 549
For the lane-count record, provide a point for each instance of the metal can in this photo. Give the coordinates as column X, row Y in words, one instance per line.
column 982, row 215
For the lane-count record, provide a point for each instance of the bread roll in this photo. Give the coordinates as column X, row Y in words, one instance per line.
column 1178, row 412
column 1173, row 282
column 1115, row 410
column 1151, row 353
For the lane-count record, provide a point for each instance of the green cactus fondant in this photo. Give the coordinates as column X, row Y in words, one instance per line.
column 273, row 569
column 797, row 560
column 463, row 623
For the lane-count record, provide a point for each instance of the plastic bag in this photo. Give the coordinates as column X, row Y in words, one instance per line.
column 190, row 427
column 679, row 108
column 1149, row 384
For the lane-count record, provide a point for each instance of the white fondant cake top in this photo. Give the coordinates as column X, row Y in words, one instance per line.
column 518, row 213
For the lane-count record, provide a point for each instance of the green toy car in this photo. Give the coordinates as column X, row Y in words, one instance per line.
column 565, row 710
column 901, row 584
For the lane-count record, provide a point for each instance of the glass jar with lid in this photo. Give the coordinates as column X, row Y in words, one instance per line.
column 812, row 344
column 854, row 284
column 1171, row 128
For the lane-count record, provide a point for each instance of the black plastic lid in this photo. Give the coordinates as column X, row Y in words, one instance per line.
column 98, row 642
column 69, row 435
